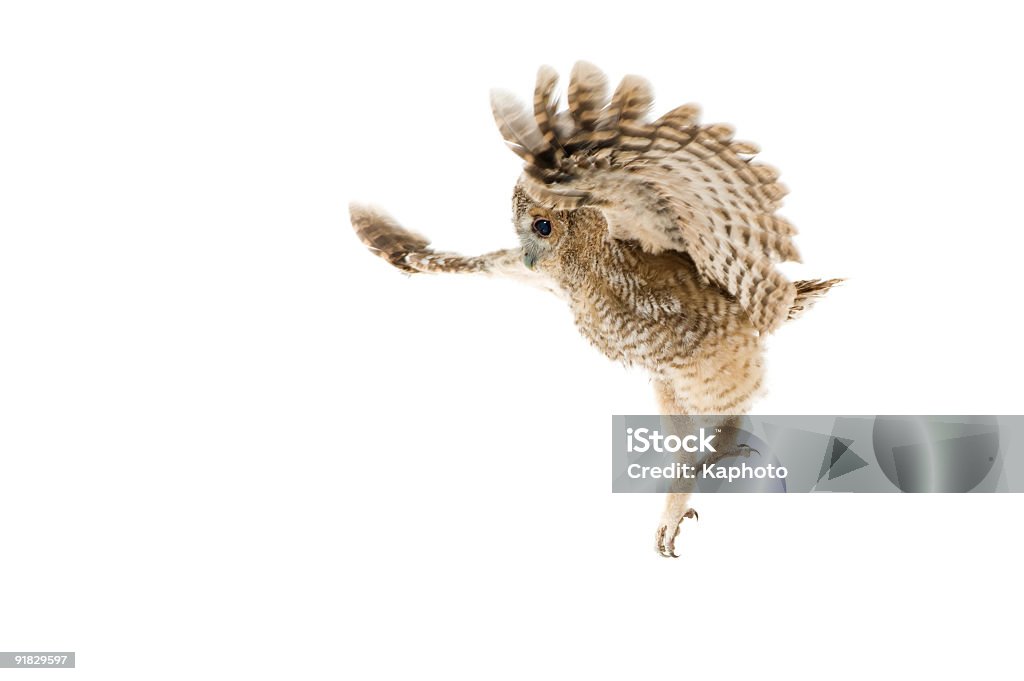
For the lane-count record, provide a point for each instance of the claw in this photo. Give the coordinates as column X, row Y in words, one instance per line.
column 750, row 450
column 670, row 548
column 665, row 544
column 744, row 450
column 659, row 542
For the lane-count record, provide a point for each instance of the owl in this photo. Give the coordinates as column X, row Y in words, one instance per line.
column 662, row 237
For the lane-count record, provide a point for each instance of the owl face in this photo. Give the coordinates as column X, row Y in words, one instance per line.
column 552, row 238
column 540, row 230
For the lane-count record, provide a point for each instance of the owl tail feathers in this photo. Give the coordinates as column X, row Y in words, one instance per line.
column 808, row 291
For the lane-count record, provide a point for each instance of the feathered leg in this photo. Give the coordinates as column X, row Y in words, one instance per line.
column 677, row 504
column 721, row 379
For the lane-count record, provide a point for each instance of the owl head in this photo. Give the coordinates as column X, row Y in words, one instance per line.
column 555, row 240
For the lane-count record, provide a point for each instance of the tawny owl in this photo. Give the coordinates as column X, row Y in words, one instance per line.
column 661, row 236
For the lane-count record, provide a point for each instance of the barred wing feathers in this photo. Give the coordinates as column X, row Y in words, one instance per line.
column 671, row 184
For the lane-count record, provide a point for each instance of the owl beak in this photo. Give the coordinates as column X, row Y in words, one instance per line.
column 529, row 259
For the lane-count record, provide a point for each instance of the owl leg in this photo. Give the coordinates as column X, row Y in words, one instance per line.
column 677, row 504
column 720, row 378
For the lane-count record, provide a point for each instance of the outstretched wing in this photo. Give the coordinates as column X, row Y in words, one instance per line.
column 671, row 184
column 411, row 252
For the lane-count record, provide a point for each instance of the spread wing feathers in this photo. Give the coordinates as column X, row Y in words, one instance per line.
column 545, row 109
column 408, row 251
column 588, row 95
column 671, row 184
column 520, row 130
column 411, row 252
column 386, row 238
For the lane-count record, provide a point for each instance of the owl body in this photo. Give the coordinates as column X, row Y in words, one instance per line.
column 661, row 236
column 650, row 310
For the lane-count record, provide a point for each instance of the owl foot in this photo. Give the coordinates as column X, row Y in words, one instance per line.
column 743, row 450
column 665, row 539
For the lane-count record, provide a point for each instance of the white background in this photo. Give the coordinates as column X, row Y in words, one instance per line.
column 233, row 444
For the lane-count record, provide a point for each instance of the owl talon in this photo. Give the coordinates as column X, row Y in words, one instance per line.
column 665, row 543
column 743, row 450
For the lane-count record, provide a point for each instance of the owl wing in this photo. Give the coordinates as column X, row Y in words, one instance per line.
column 670, row 184
column 411, row 252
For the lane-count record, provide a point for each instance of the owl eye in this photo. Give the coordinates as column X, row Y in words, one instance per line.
column 542, row 227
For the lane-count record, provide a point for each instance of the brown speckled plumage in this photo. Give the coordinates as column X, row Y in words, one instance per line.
column 663, row 240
